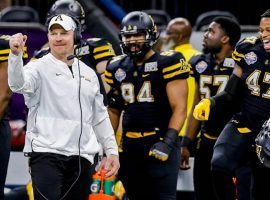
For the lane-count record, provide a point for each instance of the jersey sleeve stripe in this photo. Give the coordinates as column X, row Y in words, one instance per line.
column 3, row 58
column 237, row 56
column 102, row 48
column 105, row 54
column 109, row 81
column 170, row 75
column 108, row 74
column 4, row 51
column 172, row 67
column 108, row 77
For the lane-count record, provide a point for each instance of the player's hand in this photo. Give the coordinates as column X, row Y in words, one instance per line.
column 17, row 42
column 202, row 110
column 160, row 151
column 185, row 154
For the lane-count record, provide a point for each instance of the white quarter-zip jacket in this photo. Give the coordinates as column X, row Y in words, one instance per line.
column 56, row 98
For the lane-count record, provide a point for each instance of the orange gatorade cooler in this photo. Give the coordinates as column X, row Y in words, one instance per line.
column 101, row 187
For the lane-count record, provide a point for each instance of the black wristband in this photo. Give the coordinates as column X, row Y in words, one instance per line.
column 185, row 141
column 170, row 136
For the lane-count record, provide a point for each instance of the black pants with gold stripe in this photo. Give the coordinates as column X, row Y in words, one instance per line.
column 144, row 177
column 233, row 149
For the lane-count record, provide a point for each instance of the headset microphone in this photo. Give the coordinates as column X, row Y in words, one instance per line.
column 71, row 57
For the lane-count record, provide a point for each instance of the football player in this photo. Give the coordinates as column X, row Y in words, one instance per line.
column 212, row 71
column 235, row 144
column 151, row 89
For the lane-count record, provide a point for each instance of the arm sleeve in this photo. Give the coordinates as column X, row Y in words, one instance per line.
column 21, row 79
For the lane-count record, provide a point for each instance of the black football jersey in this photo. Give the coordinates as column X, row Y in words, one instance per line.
column 143, row 88
column 99, row 49
column 212, row 79
column 250, row 55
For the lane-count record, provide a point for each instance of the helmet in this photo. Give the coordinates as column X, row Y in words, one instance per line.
column 263, row 144
column 138, row 22
column 69, row 7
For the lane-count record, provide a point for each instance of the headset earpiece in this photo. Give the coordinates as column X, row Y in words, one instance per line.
column 77, row 32
column 77, row 35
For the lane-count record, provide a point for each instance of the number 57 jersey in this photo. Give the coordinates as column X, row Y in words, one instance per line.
column 141, row 90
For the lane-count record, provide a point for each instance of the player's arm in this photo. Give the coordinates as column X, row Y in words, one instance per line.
column 101, row 67
column 114, row 117
column 5, row 92
column 191, row 131
column 231, row 92
column 115, row 100
column 175, row 74
column 177, row 92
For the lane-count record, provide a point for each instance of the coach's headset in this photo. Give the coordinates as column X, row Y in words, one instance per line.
column 77, row 31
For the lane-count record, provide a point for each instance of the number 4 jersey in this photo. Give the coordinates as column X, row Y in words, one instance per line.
column 141, row 90
column 250, row 55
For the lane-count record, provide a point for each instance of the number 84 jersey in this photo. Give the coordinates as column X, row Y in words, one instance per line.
column 141, row 90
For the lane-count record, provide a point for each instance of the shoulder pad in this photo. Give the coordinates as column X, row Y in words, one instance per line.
column 244, row 47
column 4, row 48
column 4, row 42
column 169, row 53
column 115, row 61
column 96, row 42
column 173, row 65
column 251, row 40
column 100, row 48
column 112, row 66
column 171, row 56
column 194, row 59
column 247, row 43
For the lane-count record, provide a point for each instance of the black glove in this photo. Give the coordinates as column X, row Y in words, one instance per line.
column 162, row 149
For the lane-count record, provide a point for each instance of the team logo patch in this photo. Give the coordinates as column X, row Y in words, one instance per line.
column 228, row 62
column 120, row 75
column 201, row 66
column 83, row 51
column 135, row 73
column 250, row 58
column 150, row 67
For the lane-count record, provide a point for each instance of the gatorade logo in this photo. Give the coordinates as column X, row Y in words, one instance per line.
column 94, row 188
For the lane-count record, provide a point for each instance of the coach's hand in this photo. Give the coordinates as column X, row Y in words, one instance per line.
column 17, row 42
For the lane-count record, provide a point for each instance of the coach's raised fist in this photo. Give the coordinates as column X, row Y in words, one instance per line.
column 17, row 42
